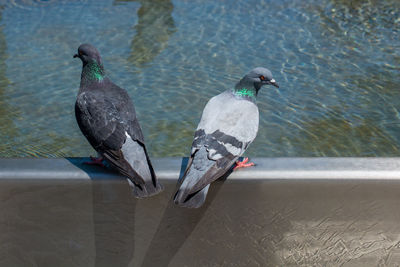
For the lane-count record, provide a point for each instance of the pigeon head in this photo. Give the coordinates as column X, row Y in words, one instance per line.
column 259, row 77
column 88, row 53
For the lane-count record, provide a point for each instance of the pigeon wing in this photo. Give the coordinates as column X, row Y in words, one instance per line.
column 128, row 115
column 101, row 123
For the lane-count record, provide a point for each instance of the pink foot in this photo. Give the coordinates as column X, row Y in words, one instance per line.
column 242, row 164
column 95, row 161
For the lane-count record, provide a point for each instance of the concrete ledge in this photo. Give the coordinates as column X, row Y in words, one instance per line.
column 170, row 168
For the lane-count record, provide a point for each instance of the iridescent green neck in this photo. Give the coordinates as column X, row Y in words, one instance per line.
column 92, row 71
column 245, row 88
column 245, row 92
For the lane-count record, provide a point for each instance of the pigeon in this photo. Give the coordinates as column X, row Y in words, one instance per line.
column 107, row 118
column 228, row 125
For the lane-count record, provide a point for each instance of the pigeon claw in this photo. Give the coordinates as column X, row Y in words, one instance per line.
column 243, row 164
column 95, row 161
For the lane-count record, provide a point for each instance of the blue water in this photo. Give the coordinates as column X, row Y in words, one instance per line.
column 337, row 63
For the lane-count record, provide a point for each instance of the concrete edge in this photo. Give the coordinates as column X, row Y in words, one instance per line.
column 170, row 168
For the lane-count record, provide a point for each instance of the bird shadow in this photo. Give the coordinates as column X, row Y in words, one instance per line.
column 177, row 224
column 113, row 215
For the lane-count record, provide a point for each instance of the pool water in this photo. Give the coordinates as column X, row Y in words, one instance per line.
column 337, row 63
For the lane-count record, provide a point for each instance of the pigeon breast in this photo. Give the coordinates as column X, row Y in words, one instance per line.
column 228, row 125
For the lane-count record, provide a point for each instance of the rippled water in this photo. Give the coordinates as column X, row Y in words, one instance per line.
column 337, row 62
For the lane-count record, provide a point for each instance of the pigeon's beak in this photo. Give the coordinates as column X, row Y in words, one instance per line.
column 76, row 55
column 274, row 83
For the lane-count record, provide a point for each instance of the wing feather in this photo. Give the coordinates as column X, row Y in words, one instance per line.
column 101, row 122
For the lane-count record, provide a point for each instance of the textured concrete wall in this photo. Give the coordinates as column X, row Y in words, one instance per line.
column 92, row 220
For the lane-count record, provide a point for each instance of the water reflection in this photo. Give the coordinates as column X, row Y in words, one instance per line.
column 8, row 131
column 362, row 14
column 330, row 53
column 154, row 28
column 337, row 136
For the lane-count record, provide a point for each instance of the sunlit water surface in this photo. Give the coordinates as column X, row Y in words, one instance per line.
column 337, row 63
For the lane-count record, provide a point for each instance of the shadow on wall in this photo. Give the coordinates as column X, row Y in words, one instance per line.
column 177, row 225
column 243, row 222
column 154, row 28
column 113, row 223
column 113, row 216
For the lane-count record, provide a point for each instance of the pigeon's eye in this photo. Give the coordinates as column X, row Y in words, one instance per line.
column 262, row 78
column 80, row 53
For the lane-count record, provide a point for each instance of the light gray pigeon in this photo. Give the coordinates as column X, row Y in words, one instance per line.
column 227, row 127
column 106, row 116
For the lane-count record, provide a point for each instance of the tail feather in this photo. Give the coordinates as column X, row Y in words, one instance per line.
column 185, row 197
column 135, row 153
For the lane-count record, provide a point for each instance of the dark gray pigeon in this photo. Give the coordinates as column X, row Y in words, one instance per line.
column 106, row 116
column 227, row 127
